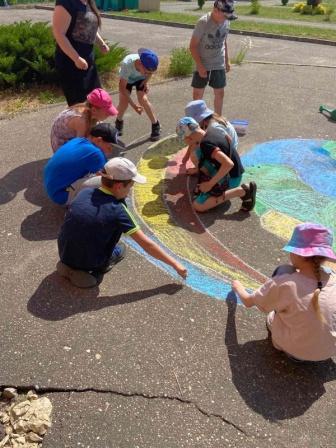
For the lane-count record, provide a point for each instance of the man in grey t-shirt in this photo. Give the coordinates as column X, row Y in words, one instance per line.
column 208, row 46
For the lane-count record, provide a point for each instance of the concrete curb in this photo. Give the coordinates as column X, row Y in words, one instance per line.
column 309, row 40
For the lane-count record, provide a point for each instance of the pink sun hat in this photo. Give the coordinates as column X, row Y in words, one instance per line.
column 310, row 240
column 101, row 99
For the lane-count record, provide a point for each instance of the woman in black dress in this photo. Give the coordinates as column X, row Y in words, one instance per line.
column 75, row 28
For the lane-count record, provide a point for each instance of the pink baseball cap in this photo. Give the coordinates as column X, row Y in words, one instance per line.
column 311, row 239
column 101, row 99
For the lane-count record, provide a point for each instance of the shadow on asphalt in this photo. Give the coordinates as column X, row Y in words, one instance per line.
column 137, row 143
column 270, row 383
column 26, row 177
column 56, row 299
column 43, row 224
column 179, row 206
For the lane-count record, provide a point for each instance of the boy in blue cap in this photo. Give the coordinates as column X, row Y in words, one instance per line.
column 135, row 71
column 208, row 46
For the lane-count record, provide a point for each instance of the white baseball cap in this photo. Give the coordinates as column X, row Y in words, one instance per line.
column 120, row 168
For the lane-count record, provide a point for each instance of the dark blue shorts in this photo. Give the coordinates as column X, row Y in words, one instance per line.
column 139, row 85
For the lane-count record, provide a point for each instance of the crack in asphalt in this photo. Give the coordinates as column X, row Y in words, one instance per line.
column 51, row 390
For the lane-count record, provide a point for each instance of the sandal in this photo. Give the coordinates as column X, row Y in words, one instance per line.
column 249, row 199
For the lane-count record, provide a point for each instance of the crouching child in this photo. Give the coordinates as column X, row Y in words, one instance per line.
column 218, row 167
column 88, row 242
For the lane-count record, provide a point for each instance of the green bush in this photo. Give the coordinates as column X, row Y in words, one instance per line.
column 200, row 3
column 26, row 54
column 255, row 7
column 298, row 7
column 181, row 62
column 284, row 2
column 329, row 10
column 111, row 60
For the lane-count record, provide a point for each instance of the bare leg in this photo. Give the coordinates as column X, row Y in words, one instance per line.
column 218, row 100
column 213, row 201
column 198, row 94
column 144, row 102
column 122, row 106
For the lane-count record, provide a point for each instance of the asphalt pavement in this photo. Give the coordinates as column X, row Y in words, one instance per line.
column 143, row 360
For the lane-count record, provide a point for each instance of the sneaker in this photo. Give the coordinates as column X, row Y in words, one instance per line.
column 118, row 254
column 119, row 125
column 81, row 279
column 156, row 130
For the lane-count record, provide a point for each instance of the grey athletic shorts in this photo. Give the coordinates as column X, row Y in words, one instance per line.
column 215, row 78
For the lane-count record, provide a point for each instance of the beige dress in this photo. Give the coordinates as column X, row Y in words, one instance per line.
column 60, row 130
column 294, row 324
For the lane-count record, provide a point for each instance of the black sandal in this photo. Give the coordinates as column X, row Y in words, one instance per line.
column 249, row 199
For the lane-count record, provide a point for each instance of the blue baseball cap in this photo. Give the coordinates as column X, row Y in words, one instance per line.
column 198, row 110
column 149, row 59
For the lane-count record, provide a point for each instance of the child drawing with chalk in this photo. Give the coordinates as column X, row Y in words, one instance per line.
column 300, row 298
column 88, row 242
column 218, row 166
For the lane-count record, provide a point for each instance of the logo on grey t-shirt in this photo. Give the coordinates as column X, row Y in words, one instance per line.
column 215, row 42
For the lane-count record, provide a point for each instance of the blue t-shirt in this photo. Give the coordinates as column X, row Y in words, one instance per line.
column 72, row 161
column 92, row 227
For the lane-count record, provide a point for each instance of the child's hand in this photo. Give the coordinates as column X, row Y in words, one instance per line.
column 236, row 285
column 181, row 270
column 204, row 187
column 202, row 71
column 244, row 296
column 104, row 48
column 192, row 171
column 138, row 109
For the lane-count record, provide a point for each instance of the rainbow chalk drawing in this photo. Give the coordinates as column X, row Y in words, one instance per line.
column 296, row 182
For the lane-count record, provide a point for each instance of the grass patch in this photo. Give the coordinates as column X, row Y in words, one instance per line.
column 288, row 30
column 282, row 13
column 160, row 16
column 14, row 101
column 239, row 57
column 282, row 29
column 276, row 12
